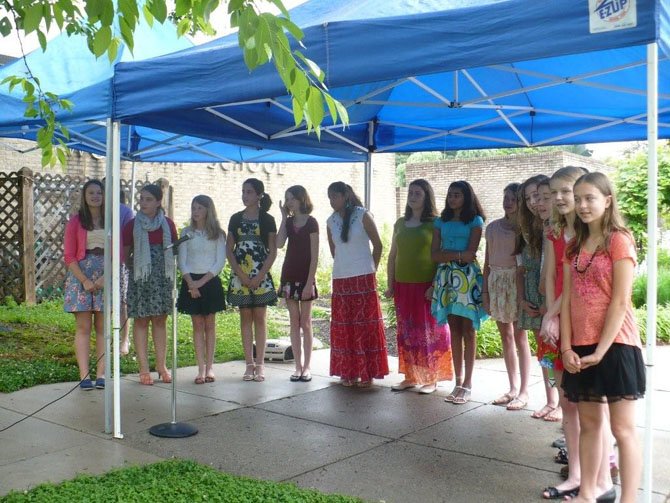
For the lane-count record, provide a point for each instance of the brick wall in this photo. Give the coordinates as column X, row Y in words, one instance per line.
column 489, row 175
column 223, row 182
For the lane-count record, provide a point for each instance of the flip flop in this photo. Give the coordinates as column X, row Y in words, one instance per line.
column 541, row 413
column 555, row 416
column 199, row 380
column 462, row 397
column 504, row 399
column 450, row 397
column 210, row 379
column 517, row 404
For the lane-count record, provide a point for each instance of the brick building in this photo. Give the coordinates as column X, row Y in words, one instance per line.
column 489, row 175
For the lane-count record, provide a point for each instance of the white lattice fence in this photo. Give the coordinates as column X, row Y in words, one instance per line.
column 11, row 243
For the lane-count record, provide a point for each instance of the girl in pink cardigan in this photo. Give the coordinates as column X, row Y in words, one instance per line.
column 84, row 258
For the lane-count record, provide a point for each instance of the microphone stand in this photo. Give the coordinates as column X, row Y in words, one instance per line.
column 173, row 429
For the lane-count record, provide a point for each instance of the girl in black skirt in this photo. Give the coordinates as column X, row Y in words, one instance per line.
column 201, row 259
column 600, row 342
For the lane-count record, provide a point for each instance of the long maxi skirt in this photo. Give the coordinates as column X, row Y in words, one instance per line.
column 424, row 347
column 357, row 341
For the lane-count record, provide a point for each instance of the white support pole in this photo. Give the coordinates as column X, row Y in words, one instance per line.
column 107, row 294
column 116, row 271
column 652, row 268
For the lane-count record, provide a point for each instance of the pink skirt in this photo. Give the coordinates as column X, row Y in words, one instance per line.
column 424, row 347
column 357, row 341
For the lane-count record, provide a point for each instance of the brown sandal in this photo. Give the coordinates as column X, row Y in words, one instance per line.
column 199, row 380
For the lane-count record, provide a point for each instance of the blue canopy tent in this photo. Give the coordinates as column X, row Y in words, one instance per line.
column 428, row 75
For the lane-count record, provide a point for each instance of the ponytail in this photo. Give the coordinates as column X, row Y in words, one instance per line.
column 352, row 201
column 265, row 202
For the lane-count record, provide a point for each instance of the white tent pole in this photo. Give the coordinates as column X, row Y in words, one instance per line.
column 116, row 271
column 652, row 222
column 108, row 276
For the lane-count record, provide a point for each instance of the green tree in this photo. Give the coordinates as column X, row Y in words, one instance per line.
column 631, row 182
column 263, row 38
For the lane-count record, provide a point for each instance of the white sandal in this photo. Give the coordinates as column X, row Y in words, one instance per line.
column 249, row 373
column 259, row 373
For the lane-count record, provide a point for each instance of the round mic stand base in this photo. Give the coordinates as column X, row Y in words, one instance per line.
column 173, row 430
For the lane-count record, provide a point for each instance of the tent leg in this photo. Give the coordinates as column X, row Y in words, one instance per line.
column 108, row 277
column 116, row 271
column 652, row 222
column 131, row 196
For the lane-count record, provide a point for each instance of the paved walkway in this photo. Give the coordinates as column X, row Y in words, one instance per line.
column 372, row 443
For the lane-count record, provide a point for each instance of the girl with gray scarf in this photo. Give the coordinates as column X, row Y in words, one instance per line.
column 145, row 239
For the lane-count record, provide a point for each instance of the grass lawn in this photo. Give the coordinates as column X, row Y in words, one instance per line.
column 37, row 343
column 173, row 481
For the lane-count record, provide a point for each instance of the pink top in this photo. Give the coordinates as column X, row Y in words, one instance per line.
column 500, row 243
column 591, row 294
column 74, row 242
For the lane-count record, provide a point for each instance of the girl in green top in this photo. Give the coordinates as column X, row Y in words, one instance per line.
column 424, row 347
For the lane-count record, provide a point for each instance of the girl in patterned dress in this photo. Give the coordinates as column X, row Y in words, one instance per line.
column 458, row 284
column 151, row 272
column 298, row 285
column 424, row 347
column 251, row 248
column 600, row 342
column 357, row 341
column 84, row 258
column 500, row 299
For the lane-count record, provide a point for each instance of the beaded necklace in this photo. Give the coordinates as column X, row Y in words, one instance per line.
column 577, row 257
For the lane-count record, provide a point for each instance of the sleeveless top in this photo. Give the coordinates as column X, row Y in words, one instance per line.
column 353, row 258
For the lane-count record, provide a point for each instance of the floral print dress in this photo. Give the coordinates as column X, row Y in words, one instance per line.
column 250, row 253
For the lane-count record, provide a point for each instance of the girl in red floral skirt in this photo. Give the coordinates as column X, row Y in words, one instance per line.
column 357, row 341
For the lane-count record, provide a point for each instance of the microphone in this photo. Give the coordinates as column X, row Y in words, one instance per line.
column 179, row 241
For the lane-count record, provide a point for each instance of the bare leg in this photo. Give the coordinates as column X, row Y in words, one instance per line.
column 456, row 350
column 506, row 331
column 246, row 327
column 260, row 334
column 470, row 340
column 622, row 417
column 159, row 335
column 124, row 346
column 198, row 323
column 82, row 341
column 308, row 339
column 591, row 420
column 523, row 348
column 98, row 320
column 210, row 343
column 140, row 336
column 293, row 307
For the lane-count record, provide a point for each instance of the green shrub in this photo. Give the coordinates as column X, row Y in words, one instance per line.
column 663, row 288
column 662, row 323
column 174, row 480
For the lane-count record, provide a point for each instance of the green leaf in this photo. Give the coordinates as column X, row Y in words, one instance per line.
column 5, row 26
column 148, row 16
column 42, row 39
column 159, row 10
column 62, row 158
column 32, row 18
column 315, row 105
column 126, row 33
column 234, row 5
column 102, row 40
column 46, row 157
column 332, row 109
column 297, row 111
column 58, row 15
column 93, row 10
column 280, row 5
column 292, row 28
column 184, row 26
column 182, row 7
column 113, row 49
column 106, row 12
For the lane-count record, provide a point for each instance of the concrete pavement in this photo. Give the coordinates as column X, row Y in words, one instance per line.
column 372, row 443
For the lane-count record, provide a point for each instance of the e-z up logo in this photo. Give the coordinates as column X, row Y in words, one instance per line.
column 612, row 10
